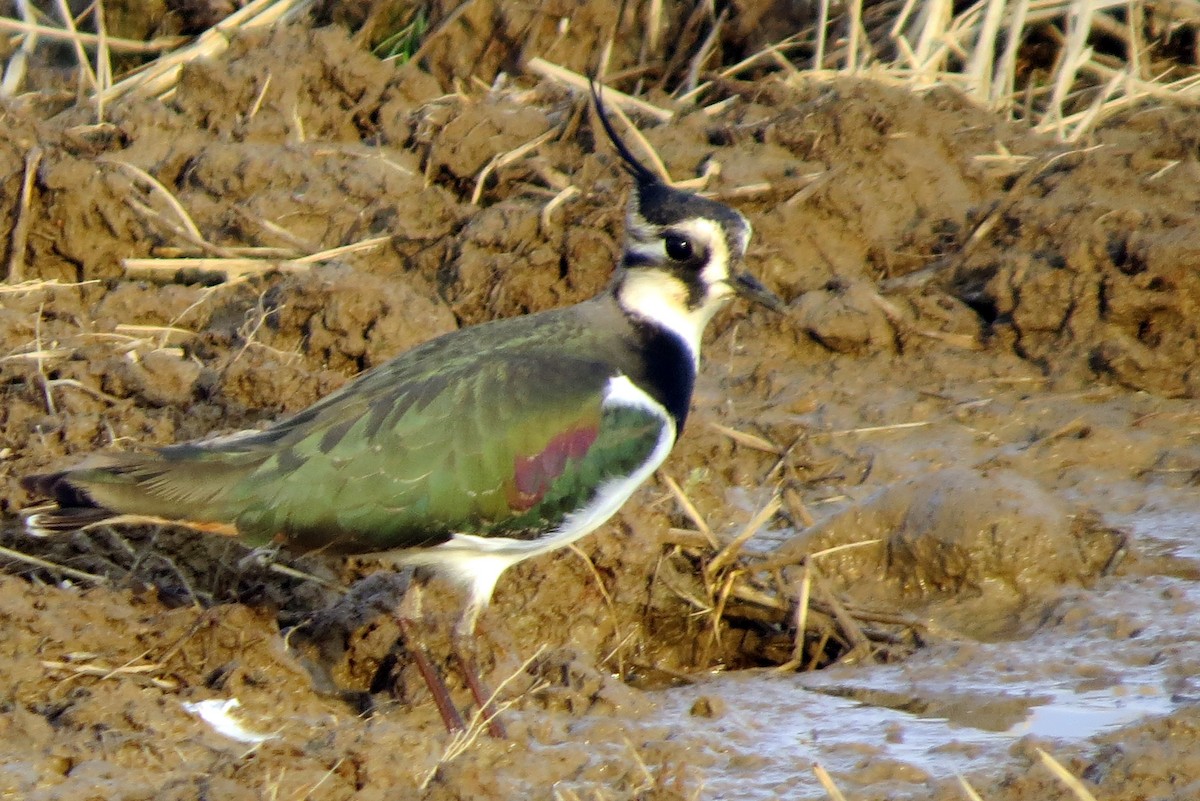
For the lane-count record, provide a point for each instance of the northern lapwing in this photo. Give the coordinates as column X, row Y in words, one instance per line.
column 477, row 449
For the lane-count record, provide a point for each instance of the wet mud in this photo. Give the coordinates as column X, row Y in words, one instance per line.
column 979, row 415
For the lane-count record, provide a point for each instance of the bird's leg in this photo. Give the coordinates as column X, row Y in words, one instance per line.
column 433, row 680
column 464, row 648
column 437, row 688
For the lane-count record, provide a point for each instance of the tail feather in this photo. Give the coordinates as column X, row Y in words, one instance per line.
column 71, row 510
column 47, row 521
column 56, row 487
column 171, row 485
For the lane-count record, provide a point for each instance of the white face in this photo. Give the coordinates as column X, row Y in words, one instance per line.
column 679, row 275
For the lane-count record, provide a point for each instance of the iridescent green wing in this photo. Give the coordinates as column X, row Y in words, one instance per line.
column 496, row 446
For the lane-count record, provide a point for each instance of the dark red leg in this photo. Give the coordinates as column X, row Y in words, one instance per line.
column 437, row 688
column 466, row 661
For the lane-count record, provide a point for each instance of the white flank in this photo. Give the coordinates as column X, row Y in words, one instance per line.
column 477, row 562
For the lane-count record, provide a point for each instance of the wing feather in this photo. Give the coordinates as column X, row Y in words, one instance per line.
column 492, row 431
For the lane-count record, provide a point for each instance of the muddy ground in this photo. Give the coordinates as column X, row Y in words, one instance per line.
column 988, row 374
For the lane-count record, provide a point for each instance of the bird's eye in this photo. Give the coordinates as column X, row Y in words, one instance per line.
column 678, row 247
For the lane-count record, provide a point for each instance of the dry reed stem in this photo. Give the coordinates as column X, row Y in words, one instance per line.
column 301, row 575
column 647, row 777
column 686, row 538
column 162, row 74
column 275, row 229
column 654, row 24
column 345, row 250
column 165, row 333
column 20, row 235
column 715, row 616
column 872, row 429
column 817, row 182
column 305, row 793
column 104, row 73
column 720, row 107
column 46, row 564
column 701, row 605
column 648, row 150
column 754, row 595
column 818, row 62
column 738, row 192
column 14, row 70
column 730, row 551
column 749, row 440
column 114, row 43
column 1004, row 77
column 692, row 77
column 968, row 789
column 901, row 20
column 612, row 97
column 44, row 354
column 1079, row 122
column 562, row 197
column 801, row 622
column 856, row 31
column 247, row 251
column 1182, row 90
column 769, row 51
column 179, row 231
column 605, row 56
column 844, row 547
column 860, row 644
column 1072, row 56
column 609, row 605
column 40, row 362
column 928, row 37
column 504, row 159
column 235, row 268
column 775, row 563
column 156, row 188
column 436, row 32
column 797, row 508
column 1065, row 776
column 930, row 52
column 165, row 270
column 461, row 741
column 1019, row 188
column 711, row 168
column 827, row 782
column 783, row 63
column 980, row 65
column 105, row 672
column 692, row 512
column 85, row 67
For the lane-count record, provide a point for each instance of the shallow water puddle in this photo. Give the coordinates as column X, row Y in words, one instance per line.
column 1107, row 658
column 1161, row 527
column 776, row 730
column 777, row 727
column 1073, row 715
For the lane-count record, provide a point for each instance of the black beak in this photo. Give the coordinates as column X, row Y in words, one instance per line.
column 749, row 288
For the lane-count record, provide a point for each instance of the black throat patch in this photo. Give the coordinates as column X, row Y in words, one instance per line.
column 670, row 372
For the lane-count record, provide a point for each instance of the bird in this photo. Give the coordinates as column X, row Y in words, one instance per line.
column 476, row 450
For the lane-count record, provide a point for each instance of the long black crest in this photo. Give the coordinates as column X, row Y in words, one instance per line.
column 637, row 169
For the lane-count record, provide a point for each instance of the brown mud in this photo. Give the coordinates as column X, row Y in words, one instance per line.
column 987, row 375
